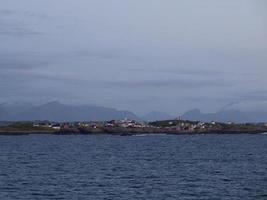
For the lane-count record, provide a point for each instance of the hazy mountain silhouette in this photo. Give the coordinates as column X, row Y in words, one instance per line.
column 55, row 111
column 15, row 108
column 226, row 115
column 156, row 115
column 4, row 115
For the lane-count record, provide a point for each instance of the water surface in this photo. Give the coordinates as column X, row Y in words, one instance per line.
column 146, row 167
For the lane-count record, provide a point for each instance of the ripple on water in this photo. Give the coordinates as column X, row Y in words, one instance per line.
column 147, row 167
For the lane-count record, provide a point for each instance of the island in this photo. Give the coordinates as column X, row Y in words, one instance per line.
column 128, row 127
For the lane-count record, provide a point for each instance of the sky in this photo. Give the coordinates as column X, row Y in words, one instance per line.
column 138, row 55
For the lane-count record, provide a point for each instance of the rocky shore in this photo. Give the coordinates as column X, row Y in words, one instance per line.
column 131, row 127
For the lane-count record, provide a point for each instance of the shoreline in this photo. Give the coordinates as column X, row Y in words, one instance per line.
column 20, row 133
column 131, row 127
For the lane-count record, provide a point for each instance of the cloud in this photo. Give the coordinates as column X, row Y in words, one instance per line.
column 179, row 70
column 173, row 54
column 16, row 30
column 173, row 83
column 256, row 95
column 25, row 13
column 133, row 83
column 22, row 61
column 12, row 25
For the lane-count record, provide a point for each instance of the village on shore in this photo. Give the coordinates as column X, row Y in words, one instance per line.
column 131, row 127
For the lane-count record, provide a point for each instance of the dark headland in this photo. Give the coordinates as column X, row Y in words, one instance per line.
column 130, row 127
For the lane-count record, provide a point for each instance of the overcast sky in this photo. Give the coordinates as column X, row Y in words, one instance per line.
column 139, row 55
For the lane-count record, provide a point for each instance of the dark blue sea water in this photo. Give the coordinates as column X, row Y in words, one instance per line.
column 137, row 167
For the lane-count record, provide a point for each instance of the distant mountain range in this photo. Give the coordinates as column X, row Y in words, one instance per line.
column 226, row 116
column 246, row 111
column 56, row 111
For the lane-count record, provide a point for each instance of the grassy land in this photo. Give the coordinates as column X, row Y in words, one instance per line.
column 24, row 126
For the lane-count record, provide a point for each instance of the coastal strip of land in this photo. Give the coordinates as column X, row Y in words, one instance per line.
column 130, row 127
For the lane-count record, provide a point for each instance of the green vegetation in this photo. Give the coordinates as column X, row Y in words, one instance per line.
column 129, row 127
column 23, row 126
column 176, row 126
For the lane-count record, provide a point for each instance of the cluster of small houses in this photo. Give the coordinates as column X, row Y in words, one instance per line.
column 188, row 126
column 55, row 126
column 183, row 126
column 125, row 123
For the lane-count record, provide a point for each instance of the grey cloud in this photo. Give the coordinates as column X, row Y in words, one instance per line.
column 105, row 54
column 137, row 84
column 6, row 12
column 173, row 54
column 17, row 30
column 10, row 25
column 254, row 95
column 96, row 54
column 179, row 70
column 178, row 83
column 22, row 61
column 27, row 13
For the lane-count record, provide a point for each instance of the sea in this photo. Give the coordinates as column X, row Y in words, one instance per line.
column 160, row 167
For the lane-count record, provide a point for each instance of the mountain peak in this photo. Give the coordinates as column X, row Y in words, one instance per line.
column 56, row 111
